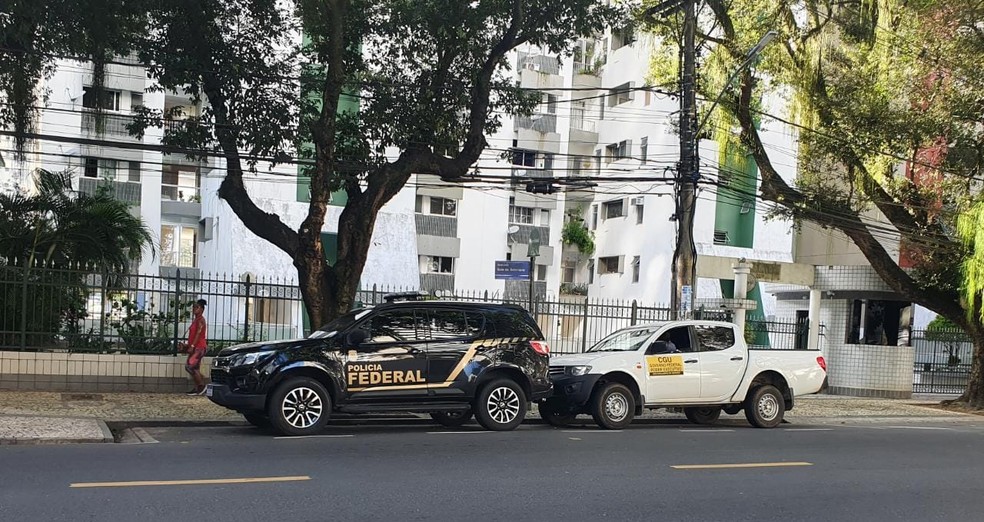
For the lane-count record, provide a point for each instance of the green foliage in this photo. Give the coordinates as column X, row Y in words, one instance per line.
column 144, row 331
column 575, row 233
column 573, row 289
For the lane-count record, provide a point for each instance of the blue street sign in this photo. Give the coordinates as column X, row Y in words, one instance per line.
column 512, row 270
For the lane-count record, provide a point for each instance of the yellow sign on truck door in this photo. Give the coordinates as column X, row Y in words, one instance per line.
column 664, row 364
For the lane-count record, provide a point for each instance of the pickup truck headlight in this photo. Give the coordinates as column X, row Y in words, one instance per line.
column 577, row 370
column 248, row 359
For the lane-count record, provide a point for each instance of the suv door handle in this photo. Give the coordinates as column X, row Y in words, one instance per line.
column 689, row 361
column 738, row 358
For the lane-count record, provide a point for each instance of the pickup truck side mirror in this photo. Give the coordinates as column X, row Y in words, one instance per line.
column 658, row 347
column 355, row 338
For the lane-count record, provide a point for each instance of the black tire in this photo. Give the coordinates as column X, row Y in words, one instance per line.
column 764, row 406
column 551, row 416
column 299, row 406
column 613, row 406
column 732, row 409
column 705, row 415
column 501, row 405
column 258, row 419
column 452, row 419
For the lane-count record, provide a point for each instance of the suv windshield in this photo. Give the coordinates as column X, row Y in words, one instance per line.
column 338, row 324
column 624, row 340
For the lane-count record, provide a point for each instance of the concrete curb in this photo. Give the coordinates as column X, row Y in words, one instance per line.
column 107, row 437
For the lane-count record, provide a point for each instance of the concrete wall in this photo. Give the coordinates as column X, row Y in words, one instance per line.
column 95, row 372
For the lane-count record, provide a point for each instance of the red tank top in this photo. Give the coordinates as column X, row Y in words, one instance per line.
column 196, row 335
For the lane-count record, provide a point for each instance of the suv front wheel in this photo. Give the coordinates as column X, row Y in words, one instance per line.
column 299, row 406
column 501, row 405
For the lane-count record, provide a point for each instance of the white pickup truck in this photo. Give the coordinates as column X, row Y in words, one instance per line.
column 703, row 367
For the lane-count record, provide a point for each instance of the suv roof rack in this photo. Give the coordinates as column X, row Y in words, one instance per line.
column 406, row 296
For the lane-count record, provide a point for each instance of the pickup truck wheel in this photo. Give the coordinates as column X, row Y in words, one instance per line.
column 299, row 406
column 764, row 407
column 501, row 405
column 613, row 406
column 551, row 416
column 451, row 419
column 703, row 415
column 257, row 419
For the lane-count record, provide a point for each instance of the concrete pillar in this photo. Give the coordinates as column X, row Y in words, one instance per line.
column 813, row 341
column 741, row 269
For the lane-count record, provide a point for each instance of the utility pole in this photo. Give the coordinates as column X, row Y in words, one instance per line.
column 685, row 189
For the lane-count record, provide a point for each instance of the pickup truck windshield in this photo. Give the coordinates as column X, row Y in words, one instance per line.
column 624, row 341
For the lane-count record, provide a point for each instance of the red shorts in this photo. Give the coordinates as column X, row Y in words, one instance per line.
column 195, row 360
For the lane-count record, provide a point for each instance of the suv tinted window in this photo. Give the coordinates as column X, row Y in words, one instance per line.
column 713, row 338
column 513, row 324
column 396, row 326
column 454, row 324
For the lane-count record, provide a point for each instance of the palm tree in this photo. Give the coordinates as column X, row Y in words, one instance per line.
column 58, row 226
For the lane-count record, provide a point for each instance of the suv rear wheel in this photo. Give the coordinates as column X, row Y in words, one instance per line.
column 299, row 406
column 501, row 405
column 451, row 419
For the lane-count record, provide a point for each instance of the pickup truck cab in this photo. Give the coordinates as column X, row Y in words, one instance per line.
column 703, row 367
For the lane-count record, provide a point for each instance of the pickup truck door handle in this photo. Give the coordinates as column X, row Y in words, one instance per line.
column 737, row 358
column 690, row 361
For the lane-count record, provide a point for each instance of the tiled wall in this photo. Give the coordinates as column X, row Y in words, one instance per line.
column 94, row 372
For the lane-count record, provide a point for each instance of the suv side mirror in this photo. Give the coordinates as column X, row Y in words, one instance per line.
column 658, row 347
column 355, row 338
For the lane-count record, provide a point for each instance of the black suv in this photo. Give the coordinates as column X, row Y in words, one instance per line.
column 449, row 359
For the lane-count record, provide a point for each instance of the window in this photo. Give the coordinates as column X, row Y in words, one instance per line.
column 91, row 169
column 271, row 311
column 713, row 338
column 103, row 168
column 179, row 246
column 136, row 100
column 876, row 322
column 443, row 206
column 721, row 237
column 591, row 271
column 437, row 265
column 544, row 217
column 520, row 215
column 550, row 100
column 679, row 337
column 617, row 151
column 622, row 37
column 524, row 158
column 541, row 272
column 418, row 205
column 568, row 268
column 110, row 99
column 639, row 214
column 594, row 217
column 179, row 183
column 395, row 326
column 597, row 164
column 610, row 265
column 644, row 148
column 619, row 95
column 614, row 209
column 635, row 269
column 134, row 171
column 513, row 325
column 448, row 324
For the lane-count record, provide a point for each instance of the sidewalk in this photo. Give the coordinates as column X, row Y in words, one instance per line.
column 49, row 417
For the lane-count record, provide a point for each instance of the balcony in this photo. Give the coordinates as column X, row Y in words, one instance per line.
column 541, row 122
column 125, row 191
column 441, row 226
column 112, row 125
column 435, row 283
column 522, row 236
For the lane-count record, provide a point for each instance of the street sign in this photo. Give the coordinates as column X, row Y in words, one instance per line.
column 686, row 303
column 534, row 247
column 512, row 270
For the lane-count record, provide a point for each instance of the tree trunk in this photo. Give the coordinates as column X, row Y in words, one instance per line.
column 973, row 396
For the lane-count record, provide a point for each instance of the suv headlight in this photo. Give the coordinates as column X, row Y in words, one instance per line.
column 577, row 370
column 249, row 359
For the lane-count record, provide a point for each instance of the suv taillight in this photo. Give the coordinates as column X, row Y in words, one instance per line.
column 822, row 363
column 540, row 347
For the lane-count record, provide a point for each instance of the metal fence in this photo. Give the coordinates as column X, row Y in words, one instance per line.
column 76, row 310
column 942, row 361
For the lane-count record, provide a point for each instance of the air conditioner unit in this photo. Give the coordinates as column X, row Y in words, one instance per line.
column 637, row 201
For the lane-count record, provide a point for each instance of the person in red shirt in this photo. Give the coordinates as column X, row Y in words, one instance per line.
column 196, row 346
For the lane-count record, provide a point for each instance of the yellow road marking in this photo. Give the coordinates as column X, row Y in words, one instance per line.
column 748, row 465
column 186, row 482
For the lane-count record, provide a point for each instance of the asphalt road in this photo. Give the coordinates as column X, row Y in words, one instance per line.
column 671, row 471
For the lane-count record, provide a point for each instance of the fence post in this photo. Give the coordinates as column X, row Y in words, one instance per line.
column 374, row 301
column 584, row 327
column 102, row 308
column 635, row 313
column 177, row 307
column 23, row 335
column 246, row 317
